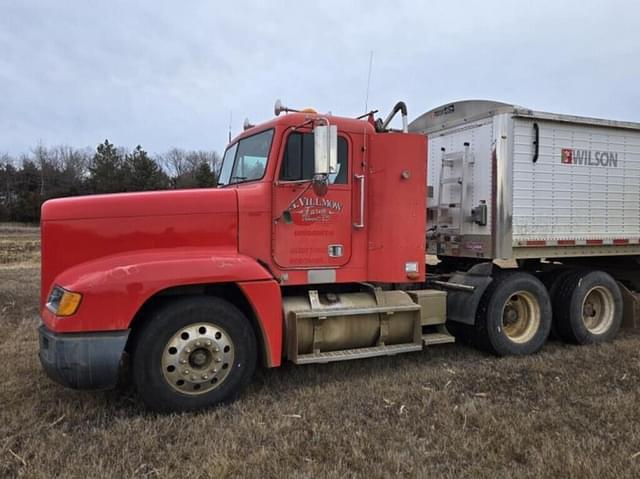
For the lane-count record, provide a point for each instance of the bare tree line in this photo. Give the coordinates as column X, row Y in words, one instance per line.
column 52, row 172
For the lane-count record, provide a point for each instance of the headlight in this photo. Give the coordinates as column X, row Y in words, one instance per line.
column 62, row 302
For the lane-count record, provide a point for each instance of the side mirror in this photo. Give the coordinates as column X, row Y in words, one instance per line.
column 326, row 150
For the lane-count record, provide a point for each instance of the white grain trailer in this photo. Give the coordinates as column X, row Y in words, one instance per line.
column 508, row 182
column 558, row 194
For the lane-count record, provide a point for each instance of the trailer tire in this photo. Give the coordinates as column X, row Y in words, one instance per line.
column 588, row 308
column 514, row 315
column 193, row 353
column 552, row 281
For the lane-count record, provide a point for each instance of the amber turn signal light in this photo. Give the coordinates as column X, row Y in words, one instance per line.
column 62, row 302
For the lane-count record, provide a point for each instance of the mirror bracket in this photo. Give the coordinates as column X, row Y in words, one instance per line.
column 320, row 184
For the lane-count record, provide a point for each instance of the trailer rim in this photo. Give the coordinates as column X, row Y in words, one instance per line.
column 598, row 310
column 521, row 317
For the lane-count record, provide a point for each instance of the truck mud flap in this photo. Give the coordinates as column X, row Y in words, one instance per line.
column 462, row 305
column 631, row 302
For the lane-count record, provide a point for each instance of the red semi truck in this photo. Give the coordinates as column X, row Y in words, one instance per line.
column 313, row 249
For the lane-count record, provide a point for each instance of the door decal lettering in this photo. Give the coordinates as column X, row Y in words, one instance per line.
column 308, row 210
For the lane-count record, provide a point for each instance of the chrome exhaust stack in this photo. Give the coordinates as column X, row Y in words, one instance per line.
column 400, row 106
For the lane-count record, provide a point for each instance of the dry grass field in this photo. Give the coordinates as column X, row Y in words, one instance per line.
column 449, row 411
column 19, row 245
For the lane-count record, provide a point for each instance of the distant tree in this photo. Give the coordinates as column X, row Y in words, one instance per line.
column 107, row 172
column 60, row 171
column 174, row 161
column 213, row 161
column 73, row 165
column 63, row 171
column 41, row 159
column 187, row 170
column 8, row 194
column 142, row 173
column 204, row 177
column 180, row 167
column 28, row 198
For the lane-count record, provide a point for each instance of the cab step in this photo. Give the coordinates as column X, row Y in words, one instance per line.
column 359, row 353
column 437, row 338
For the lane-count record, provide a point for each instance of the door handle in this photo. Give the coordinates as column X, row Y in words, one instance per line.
column 536, row 142
column 360, row 223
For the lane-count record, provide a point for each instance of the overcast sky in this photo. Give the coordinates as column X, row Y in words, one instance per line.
column 170, row 73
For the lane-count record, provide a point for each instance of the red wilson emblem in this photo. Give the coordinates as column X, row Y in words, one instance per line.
column 567, row 156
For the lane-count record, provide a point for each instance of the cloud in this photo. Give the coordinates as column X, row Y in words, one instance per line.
column 164, row 74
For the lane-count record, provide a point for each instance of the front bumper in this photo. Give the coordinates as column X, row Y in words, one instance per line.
column 83, row 360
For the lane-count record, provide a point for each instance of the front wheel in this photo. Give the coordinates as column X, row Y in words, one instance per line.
column 193, row 353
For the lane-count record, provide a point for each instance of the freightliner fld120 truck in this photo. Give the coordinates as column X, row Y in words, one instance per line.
column 314, row 248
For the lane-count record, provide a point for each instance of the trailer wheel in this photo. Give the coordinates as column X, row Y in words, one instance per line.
column 552, row 281
column 588, row 308
column 514, row 315
column 193, row 353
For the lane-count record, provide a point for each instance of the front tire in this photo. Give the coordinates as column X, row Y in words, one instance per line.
column 514, row 315
column 193, row 353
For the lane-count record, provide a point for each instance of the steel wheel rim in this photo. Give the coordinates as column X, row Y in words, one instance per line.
column 598, row 310
column 198, row 358
column 521, row 317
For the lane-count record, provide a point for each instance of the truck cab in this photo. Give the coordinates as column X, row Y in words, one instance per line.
column 315, row 217
column 306, row 236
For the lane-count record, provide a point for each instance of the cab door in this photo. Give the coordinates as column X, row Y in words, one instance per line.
column 315, row 231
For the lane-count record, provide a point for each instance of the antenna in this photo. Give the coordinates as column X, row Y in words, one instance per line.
column 364, row 124
column 366, row 100
column 230, row 119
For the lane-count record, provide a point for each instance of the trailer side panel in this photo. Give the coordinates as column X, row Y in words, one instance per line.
column 581, row 190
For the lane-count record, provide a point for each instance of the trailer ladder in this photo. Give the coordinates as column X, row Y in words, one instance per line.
column 463, row 158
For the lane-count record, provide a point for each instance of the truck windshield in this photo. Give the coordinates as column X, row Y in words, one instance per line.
column 246, row 159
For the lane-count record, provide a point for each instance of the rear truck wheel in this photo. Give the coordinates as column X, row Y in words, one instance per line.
column 514, row 315
column 193, row 353
column 552, row 281
column 588, row 308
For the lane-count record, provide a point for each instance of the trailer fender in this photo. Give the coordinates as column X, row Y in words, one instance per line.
column 463, row 305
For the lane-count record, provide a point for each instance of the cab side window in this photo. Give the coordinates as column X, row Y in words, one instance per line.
column 299, row 156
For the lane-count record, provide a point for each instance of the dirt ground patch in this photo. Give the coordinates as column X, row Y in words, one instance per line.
column 449, row 411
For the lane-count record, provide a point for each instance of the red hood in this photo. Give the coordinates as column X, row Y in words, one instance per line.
column 80, row 229
column 153, row 203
